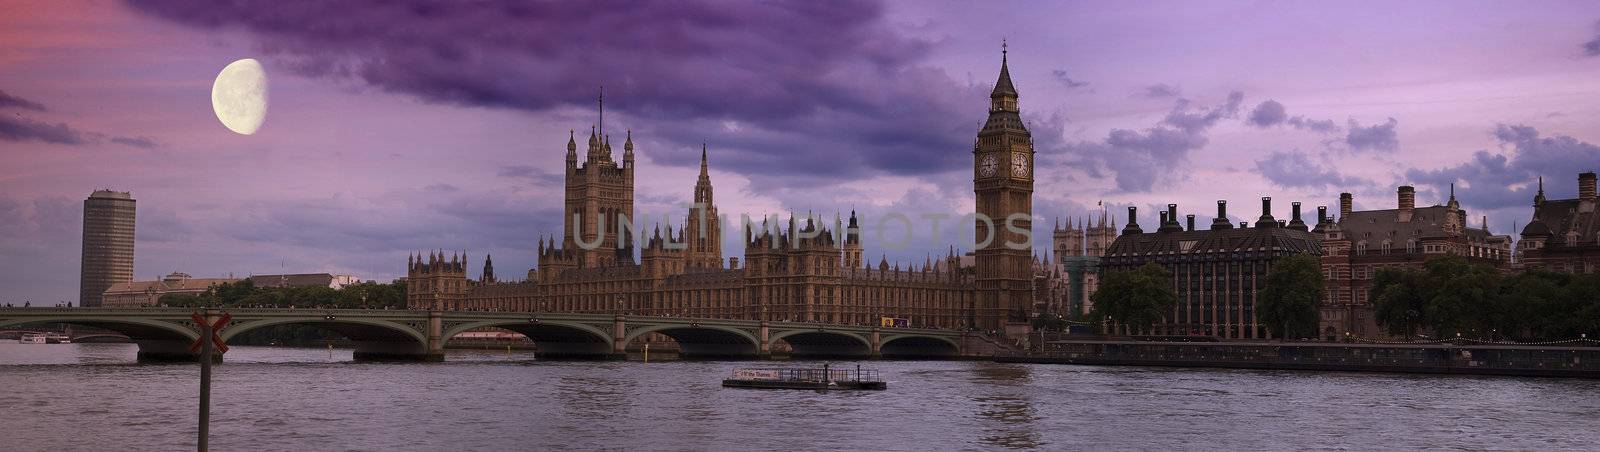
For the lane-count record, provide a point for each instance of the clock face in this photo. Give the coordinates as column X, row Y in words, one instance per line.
column 1019, row 165
column 987, row 166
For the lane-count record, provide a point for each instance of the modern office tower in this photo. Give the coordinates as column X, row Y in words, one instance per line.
column 107, row 244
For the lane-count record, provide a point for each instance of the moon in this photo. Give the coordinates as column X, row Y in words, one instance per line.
column 239, row 96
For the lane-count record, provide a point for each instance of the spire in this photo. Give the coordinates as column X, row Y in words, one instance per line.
column 572, row 145
column 703, row 173
column 1539, row 198
column 1003, row 86
column 602, row 103
column 627, row 147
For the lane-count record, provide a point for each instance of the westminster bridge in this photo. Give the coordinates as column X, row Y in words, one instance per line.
column 166, row 333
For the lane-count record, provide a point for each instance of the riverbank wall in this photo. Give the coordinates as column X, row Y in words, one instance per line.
column 1432, row 358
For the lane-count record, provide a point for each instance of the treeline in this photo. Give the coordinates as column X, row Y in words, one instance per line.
column 1451, row 296
column 366, row 295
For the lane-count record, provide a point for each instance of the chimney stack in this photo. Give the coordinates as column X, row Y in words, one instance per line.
column 1191, row 222
column 1169, row 220
column 1408, row 202
column 1295, row 222
column 1133, row 222
column 1346, row 204
column 1266, row 220
column 1221, row 221
column 1586, row 186
column 1322, row 219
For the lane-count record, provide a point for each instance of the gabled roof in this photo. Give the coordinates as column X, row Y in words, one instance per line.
column 1216, row 241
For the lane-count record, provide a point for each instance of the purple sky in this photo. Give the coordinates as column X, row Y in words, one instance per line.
column 397, row 128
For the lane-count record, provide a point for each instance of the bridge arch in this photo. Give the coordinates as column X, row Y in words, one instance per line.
column 919, row 347
column 698, row 341
column 374, row 339
column 825, row 343
column 158, row 340
column 554, row 339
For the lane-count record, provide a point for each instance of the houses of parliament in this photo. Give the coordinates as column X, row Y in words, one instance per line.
column 800, row 271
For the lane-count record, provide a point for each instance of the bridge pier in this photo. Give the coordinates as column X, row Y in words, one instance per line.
column 764, row 351
column 877, row 345
column 619, row 338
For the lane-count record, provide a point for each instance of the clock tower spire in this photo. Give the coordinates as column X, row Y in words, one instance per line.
column 1003, row 183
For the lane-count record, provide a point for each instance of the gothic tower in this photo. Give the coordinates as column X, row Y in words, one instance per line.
column 702, row 227
column 1003, row 183
column 599, row 194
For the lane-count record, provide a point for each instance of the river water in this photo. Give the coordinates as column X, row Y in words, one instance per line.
column 94, row 397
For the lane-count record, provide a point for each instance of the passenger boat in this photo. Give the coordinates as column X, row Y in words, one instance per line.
column 57, row 338
column 824, row 378
column 32, row 338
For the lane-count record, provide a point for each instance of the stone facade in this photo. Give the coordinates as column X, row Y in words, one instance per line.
column 796, row 270
column 142, row 294
column 1078, row 249
column 108, row 221
column 1216, row 272
column 1564, row 234
column 1359, row 243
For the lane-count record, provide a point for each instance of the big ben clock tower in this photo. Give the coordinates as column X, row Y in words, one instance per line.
column 1003, row 181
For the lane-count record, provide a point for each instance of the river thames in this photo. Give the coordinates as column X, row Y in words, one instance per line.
column 94, row 397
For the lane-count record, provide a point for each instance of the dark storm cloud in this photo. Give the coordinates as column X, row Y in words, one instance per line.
column 1483, row 181
column 1592, row 48
column 1139, row 158
column 1060, row 75
column 9, row 101
column 821, row 87
column 1161, row 90
column 1271, row 113
column 1378, row 137
column 1295, row 169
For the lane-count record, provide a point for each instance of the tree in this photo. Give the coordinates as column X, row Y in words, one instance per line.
column 1400, row 298
column 1463, row 297
column 1136, row 298
column 1289, row 296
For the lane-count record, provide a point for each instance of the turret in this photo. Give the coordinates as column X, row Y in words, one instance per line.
column 572, row 151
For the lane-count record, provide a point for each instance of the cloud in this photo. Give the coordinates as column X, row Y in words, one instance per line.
column 1161, row 90
column 1378, row 137
column 1061, row 76
column 1493, row 180
column 1271, row 113
column 827, row 89
column 9, row 101
column 532, row 174
column 18, row 128
column 138, row 142
column 1295, row 169
column 1137, row 159
column 1592, row 48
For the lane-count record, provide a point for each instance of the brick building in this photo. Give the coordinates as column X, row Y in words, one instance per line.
column 1359, row 243
column 1564, row 234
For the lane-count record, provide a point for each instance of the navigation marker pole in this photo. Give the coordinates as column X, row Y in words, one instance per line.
column 207, row 343
column 205, row 384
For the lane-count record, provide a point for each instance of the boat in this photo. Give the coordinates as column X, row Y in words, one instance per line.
column 32, row 338
column 57, row 338
column 824, row 378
